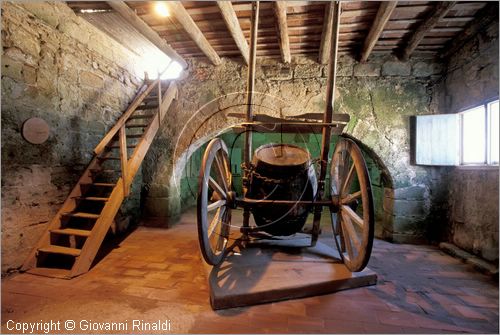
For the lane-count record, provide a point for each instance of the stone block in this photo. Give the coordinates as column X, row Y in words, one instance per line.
column 425, row 69
column 409, row 193
column 307, row 71
column 29, row 75
column 408, row 225
column 343, row 70
column 12, row 69
column 409, row 208
column 91, row 79
column 44, row 11
column 17, row 55
column 395, row 68
column 276, row 72
column 367, row 70
column 25, row 41
column 75, row 30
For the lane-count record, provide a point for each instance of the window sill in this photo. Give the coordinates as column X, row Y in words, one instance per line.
column 477, row 167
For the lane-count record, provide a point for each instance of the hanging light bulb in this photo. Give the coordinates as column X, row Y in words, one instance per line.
column 162, row 9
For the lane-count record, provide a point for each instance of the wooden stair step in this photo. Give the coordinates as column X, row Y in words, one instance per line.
column 142, row 125
column 93, row 198
column 135, row 135
column 51, row 272
column 111, row 158
column 147, row 107
column 142, row 116
column 56, row 249
column 71, row 231
column 115, row 146
column 103, row 171
column 82, row 215
column 104, row 184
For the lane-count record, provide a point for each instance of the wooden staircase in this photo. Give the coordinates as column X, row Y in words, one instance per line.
column 70, row 243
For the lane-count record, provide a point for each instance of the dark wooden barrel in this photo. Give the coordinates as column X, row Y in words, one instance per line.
column 281, row 172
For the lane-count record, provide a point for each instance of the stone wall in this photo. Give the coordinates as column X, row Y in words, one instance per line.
column 56, row 66
column 379, row 96
column 471, row 79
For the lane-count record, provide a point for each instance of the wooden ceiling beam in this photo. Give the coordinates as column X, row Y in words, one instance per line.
column 438, row 12
column 484, row 18
column 383, row 14
column 128, row 14
column 193, row 31
column 326, row 35
column 282, row 26
column 233, row 25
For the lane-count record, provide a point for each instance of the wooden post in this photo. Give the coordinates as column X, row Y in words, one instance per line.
column 383, row 14
column 327, row 118
column 249, row 116
column 233, row 25
column 280, row 13
column 159, row 98
column 326, row 35
column 439, row 11
column 193, row 31
column 124, row 161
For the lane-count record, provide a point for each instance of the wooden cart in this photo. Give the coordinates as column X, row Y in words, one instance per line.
column 350, row 201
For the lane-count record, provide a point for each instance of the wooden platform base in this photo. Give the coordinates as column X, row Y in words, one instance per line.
column 270, row 271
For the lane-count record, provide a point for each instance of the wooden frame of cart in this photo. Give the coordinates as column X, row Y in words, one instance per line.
column 350, row 201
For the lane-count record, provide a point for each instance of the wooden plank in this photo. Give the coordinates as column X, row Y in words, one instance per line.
column 50, row 272
column 340, row 118
column 129, row 15
column 55, row 249
column 281, row 24
column 71, row 231
column 82, row 215
column 296, row 128
column 123, row 160
column 193, row 31
column 326, row 35
column 439, row 12
column 384, row 13
column 233, row 25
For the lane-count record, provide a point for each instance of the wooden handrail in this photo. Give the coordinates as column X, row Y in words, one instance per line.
column 121, row 121
column 124, row 161
column 133, row 106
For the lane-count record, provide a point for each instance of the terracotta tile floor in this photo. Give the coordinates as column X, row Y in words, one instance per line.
column 157, row 274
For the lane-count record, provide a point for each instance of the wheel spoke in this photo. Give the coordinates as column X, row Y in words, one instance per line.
column 215, row 205
column 217, row 218
column 352, row 214
column 348, row 179
column 222, row 239
column 351, row 232
column 350, row 198
column 221, row 172
column 347, row 243
column 216, row 187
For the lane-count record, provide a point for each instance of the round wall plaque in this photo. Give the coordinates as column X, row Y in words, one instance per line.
column 35, row 130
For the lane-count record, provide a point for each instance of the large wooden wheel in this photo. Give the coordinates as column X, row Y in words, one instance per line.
column 353, row 223
column 213, row 209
